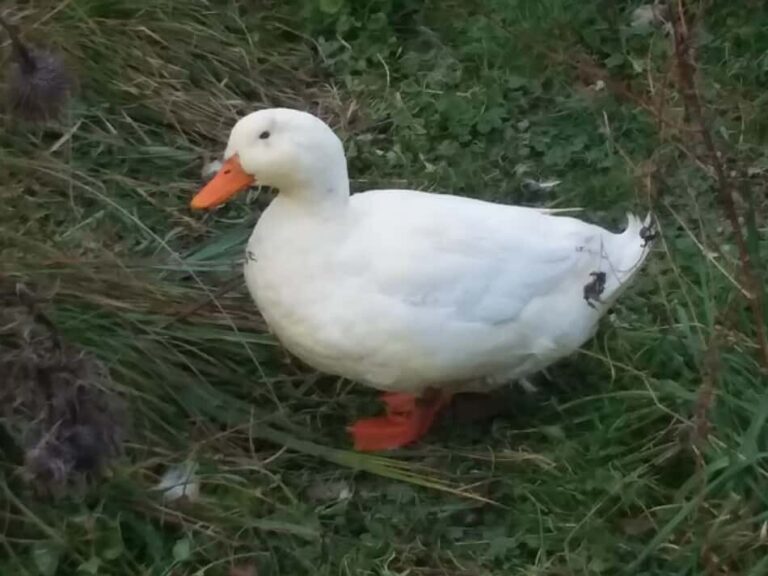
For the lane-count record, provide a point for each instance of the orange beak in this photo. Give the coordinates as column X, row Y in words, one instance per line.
column 229, row 180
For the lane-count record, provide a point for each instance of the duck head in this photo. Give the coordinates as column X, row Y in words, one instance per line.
column 290, row 150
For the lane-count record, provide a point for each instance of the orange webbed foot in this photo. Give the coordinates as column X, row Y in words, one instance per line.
column 407, row 419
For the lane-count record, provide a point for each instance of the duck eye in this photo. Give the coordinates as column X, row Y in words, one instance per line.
column 264, row 135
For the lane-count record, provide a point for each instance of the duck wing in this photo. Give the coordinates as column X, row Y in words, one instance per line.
column 481, row 262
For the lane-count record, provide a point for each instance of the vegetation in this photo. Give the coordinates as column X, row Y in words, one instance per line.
column 644, row 454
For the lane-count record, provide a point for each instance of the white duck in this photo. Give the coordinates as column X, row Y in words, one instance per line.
column 417, row 294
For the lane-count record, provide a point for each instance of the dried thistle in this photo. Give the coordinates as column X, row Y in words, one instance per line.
column 39, row 85
column 55, row 401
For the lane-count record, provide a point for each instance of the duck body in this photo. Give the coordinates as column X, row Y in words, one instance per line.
column 407, row 291
column 404, row 290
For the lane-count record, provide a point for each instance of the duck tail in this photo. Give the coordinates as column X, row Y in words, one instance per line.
column 627, row 252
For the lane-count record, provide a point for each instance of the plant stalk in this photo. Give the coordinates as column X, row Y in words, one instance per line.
column 21, row 51
column 686, row 67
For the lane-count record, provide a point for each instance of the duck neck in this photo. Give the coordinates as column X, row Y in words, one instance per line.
column 327, row 193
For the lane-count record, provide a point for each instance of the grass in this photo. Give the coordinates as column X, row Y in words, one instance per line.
column 608, row 470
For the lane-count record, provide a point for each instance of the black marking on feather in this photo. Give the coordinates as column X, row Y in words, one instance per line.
column 594, row 288
column 648, row 234
column 250, row 256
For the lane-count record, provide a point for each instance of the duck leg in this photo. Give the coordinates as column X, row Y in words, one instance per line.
column 406, row 420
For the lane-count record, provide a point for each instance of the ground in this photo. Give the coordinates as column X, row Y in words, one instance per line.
column 645, row 453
